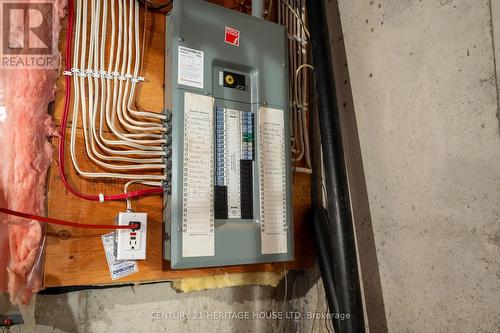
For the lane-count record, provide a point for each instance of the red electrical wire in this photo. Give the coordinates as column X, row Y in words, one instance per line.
column 67, row 99
column 66, row 223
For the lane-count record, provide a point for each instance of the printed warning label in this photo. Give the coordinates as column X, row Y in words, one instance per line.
column 117, row 268
column 190, row 69
column 232, row 36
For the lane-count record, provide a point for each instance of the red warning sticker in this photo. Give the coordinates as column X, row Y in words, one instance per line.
column 232, row 36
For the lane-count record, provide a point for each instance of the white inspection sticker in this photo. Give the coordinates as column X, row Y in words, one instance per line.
column 117, row 268
column 190, row 69
column 273, row 198
column 198, row 177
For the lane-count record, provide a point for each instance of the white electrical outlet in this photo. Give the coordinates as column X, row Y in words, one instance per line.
column 131, row 243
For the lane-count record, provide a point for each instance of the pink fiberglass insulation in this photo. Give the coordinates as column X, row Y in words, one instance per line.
column 25, row 156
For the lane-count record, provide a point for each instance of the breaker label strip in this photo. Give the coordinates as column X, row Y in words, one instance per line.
column 272, row 181
column 198, row 177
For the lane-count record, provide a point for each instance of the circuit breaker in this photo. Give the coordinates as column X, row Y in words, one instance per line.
column 229, row 197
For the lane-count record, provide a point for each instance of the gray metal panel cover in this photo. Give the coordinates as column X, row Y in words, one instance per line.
column 261, row 55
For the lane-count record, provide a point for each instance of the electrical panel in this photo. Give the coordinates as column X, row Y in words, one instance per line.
column 228, row 201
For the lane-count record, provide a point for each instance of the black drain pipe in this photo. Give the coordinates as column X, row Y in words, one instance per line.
column 341, row 237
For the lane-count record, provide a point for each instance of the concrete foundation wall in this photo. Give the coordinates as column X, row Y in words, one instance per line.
column 425, row 96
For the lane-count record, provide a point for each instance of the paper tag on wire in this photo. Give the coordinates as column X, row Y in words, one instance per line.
column 117, row 268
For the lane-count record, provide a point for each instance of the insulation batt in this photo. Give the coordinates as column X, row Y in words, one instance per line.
column 25, row 156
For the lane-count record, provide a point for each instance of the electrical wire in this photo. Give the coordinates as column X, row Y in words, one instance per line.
column 292, row 15
column 138, row 61
column 143, row 182
column 303, row 127
column 119, row 92
column 298, row 17
column 66, row 223
column 61, row 150
column 282, row 322
column 317, row 299
column 147, row 4
column 140, row 111
column 113, row 67
column 123, row 112
column 92, row 152
column 269, row 8
column 326, row 320
column 105, row 102
column 84, row 117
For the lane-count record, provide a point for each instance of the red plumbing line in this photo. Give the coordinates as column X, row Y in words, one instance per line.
column 66, row 223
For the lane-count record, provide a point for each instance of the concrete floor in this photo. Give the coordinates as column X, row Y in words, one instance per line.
column 158, row 308
column 424, row 83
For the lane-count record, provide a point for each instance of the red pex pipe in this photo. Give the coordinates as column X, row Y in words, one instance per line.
column 66, row 223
